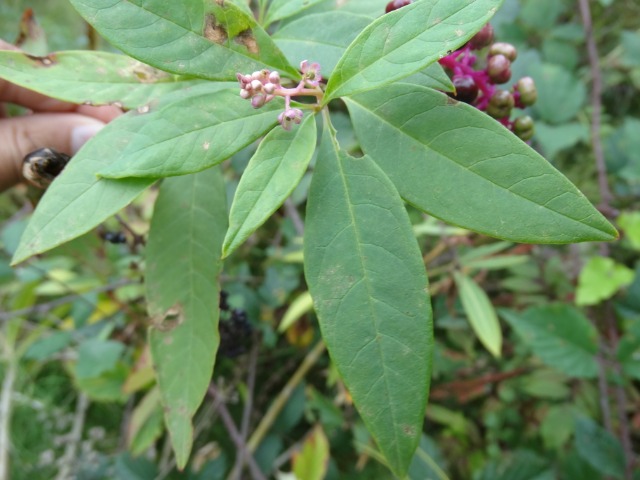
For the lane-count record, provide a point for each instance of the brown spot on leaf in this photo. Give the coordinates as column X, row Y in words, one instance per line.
column 409, row 430
column 170, row 319
column 246, row 39
column 43, row 61
column 214, row 32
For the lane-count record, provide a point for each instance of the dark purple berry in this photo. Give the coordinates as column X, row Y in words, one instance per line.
column 483, row 38
column 396, row 4
column 224, row 305
column 499, row 69
column 466, row 88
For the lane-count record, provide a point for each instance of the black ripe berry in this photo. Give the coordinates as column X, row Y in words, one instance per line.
column 466, row 88
column 396, row 4
column 114, row 237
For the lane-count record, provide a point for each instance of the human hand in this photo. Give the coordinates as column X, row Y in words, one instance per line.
column 62, row 126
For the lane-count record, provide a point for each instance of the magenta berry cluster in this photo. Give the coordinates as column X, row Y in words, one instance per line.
column 263, row 86
column 480, row 86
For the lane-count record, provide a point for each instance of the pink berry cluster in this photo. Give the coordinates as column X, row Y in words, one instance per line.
column 263, row 86
column 480, row 87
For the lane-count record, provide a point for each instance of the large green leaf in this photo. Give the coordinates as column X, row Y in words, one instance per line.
column 455, row 163
column 367, row 280
column 302, row 39
column 279, row 9
column 193, row 134
column 481, row 314
column 90, row 77
column 78, row 200
column 272, row 174
column 560, row 335
column 406, row 41
column 207, row 39
column 183, row 262
column 600, row 279
column 599, row 448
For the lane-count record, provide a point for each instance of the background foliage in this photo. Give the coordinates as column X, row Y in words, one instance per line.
column 552, row 393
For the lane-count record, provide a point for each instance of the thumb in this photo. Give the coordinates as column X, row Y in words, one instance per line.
column 19, row 136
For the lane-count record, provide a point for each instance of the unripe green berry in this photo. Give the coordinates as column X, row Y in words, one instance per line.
column 506, row 49
column 483, row 38
column 528, row 92
column 499, row 69
column 523, row 127
column 501, row 104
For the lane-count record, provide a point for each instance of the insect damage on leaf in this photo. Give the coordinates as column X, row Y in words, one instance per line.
column 169, row 320
column 45, row 61
column 143, row 73
column 214, row 32
column 217, row 33
column 247, row 40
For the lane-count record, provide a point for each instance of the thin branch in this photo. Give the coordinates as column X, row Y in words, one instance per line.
column 241, row 446
column 294, row 215
column 596, row 104
column 5, row 415
column 284, row 395
column 605, row 207
column 42, row 308
column 69, row 460
column 248, row 407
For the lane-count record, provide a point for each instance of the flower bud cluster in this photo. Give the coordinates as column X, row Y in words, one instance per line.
column 263, row 86
column 478, row 86
column 260, row 86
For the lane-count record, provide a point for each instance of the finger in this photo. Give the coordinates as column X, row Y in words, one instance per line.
column 19, row 136
column 104, row 113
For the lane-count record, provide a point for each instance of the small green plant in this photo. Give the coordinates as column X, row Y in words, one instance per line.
column 186, row 114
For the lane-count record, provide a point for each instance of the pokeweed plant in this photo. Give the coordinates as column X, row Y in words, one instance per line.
column 186, row 115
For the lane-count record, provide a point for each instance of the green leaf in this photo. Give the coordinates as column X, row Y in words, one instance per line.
column 78, row 200
column 206, row 39
column 145, row 426
column 560, row 335
column 480, row 312
column 302, row 39
column 312, row 461
column 192, row 134
column 433, row 76
column 182, row 290
column 600, row 279
column 97, row 356
column 367, row 280
column 599, row 448
column 629, row 222
column 405, row 41
column 272, row 174
column 455, row 163
column 298, row 307
column 279, row 9
column 560, row 94
column 97, row 78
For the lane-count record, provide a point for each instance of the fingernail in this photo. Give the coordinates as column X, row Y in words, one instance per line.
column 82, row 133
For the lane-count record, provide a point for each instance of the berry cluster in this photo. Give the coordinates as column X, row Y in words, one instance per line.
column 235, row 329
column 263, row 86
column 479, row 87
